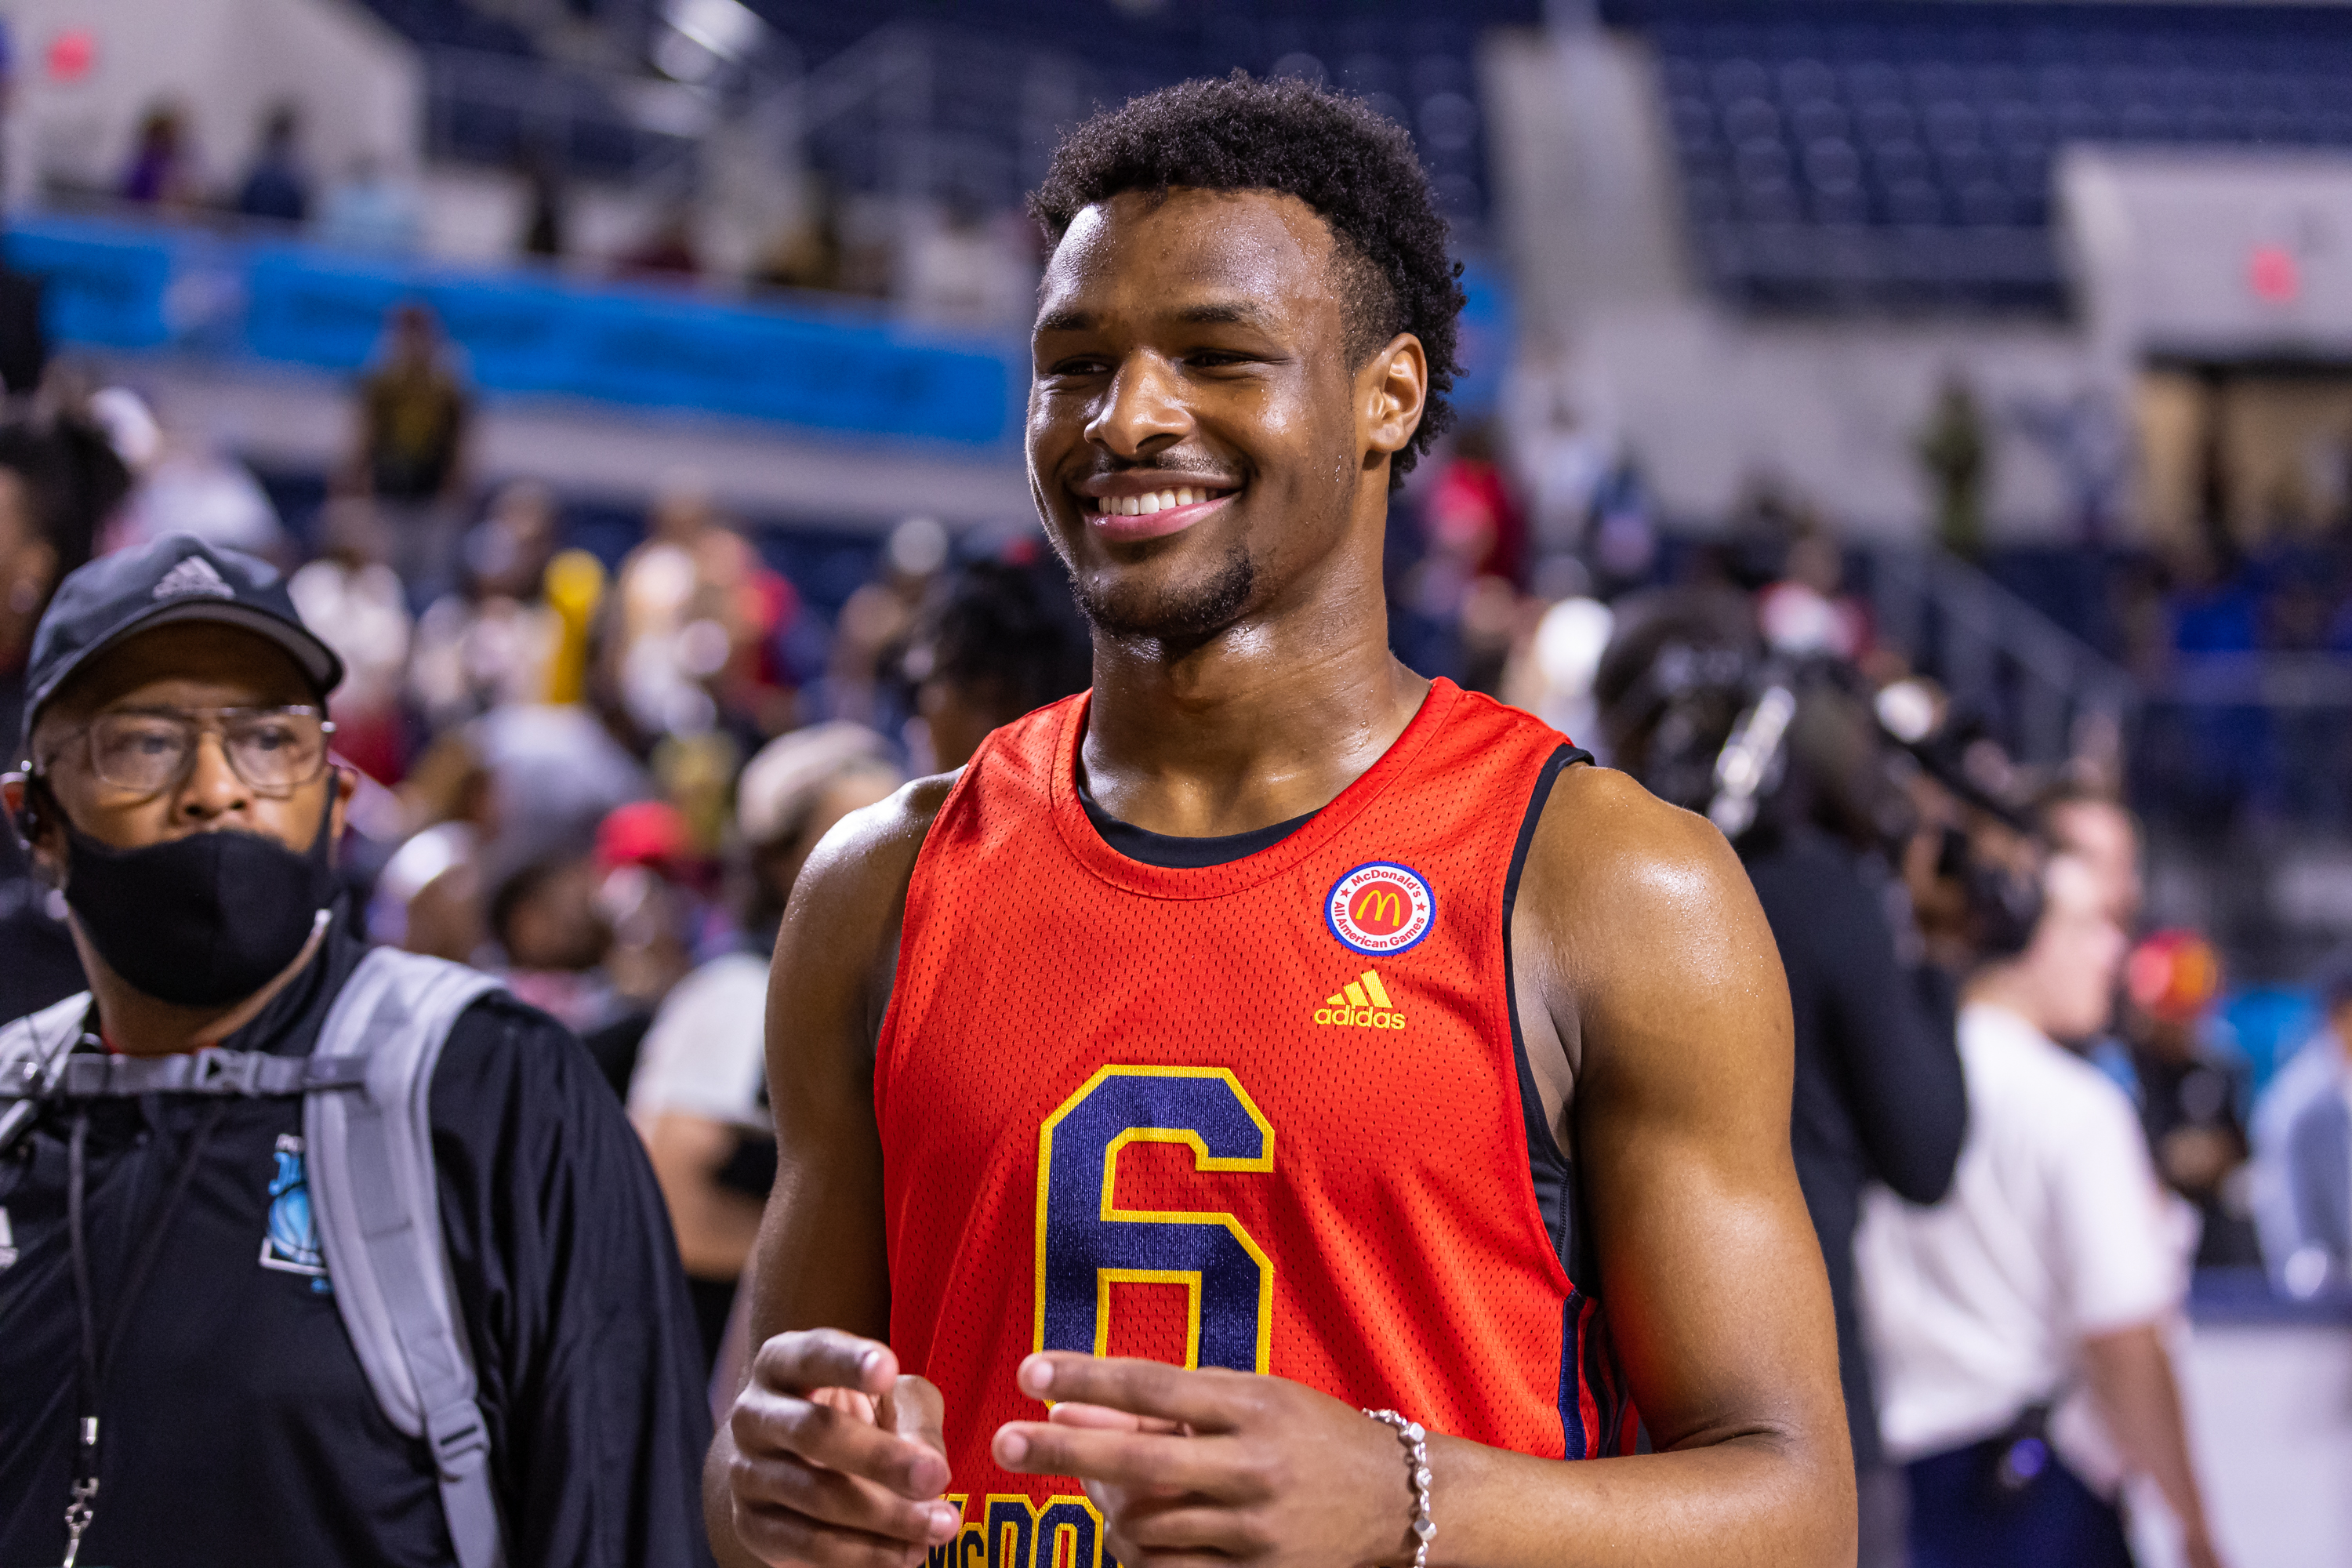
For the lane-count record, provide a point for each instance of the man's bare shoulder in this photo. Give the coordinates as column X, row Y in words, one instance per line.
column 1635, row 907
column 1603, row 838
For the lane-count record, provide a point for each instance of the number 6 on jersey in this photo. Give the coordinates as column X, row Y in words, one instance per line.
column 1086, row 1245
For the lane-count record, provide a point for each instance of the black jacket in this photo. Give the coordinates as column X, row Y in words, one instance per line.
column 1879, row 1095
column 238, row 1426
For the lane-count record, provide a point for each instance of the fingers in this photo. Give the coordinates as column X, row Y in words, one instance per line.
column 768, row 1425
column 915, row 1410
column 1208, row 1400
column 810, row 1359
column 784, row 1489
column 1141, row 1461
column 777, row 1537
column 1074, row 1415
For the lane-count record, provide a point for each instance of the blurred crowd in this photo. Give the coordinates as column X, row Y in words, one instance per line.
column 599, row 781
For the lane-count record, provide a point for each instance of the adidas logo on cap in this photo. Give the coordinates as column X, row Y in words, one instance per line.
column 1362, row 1004
column 193, row 575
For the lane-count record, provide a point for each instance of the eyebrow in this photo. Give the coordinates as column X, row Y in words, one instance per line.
column 1216, row 314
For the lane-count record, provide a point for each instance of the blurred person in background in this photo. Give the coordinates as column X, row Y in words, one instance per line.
column 546, row 224
column 277, row 184
column 1808, row 611
column 1954, row 452
column 2189, row 1089
column 650, row 896
column 2302, row 1151
column 697, row 617
column 877, row 617
column 552, row 936
column 2020, row 1326
column 427, row 896
column 362, row 612
column 162, row 170
column 2086, row 819
column 1878, row 1094
column 182, row 484
column 408, row 448
column 492, row 640
column 58, row 481
column 699, row 1096
column 1004, row 640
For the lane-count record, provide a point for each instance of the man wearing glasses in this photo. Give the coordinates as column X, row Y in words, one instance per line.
column 174, row 1361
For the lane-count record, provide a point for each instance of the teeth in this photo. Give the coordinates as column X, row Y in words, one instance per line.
column 1156, row 501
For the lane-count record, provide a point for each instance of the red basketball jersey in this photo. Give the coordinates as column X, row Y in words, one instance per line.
column 1270, row 1115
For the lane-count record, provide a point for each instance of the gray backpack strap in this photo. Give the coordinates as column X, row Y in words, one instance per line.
column 34, row 1051
column 377, row 1194
column 39, row 1040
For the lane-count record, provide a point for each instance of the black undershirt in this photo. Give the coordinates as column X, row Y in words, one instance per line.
column 1174, row 853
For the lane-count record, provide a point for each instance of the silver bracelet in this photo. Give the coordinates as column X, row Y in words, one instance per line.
column 1416, row 1464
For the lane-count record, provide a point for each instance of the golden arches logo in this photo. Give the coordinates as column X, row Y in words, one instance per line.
column 1379, row 909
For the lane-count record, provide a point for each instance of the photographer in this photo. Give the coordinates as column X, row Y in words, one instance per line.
column 2020, row 1325
column 1686, row 696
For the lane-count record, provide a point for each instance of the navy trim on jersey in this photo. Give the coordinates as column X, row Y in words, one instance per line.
column 1554, row 1176
column 1174, row 852
column 1588, row 1364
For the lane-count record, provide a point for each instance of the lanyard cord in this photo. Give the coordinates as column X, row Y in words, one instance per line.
column 96, row 1361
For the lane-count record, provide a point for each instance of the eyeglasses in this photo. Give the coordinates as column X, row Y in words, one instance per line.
column 149, row 751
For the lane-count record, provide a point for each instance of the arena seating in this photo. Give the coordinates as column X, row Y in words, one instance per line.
column 1416, row 63
column 452, row 24
column 1853, row 152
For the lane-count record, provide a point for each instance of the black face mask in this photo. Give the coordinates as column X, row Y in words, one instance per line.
column 203, row 921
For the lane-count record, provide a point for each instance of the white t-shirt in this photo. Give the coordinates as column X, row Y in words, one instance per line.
column 2055, row 1231
column 705, row 1052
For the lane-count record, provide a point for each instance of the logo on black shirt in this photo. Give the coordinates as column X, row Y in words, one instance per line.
column 290, row 1245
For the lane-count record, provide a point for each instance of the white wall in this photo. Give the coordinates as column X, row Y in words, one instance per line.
column 227, row 61
column 2167, row 238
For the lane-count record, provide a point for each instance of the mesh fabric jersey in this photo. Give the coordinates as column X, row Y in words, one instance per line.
column 1271, row 1115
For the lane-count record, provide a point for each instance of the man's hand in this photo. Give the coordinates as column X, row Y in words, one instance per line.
column 1184, row 1463
column 838, row 1459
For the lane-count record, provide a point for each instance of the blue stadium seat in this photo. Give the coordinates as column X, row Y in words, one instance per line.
column 1823, row 143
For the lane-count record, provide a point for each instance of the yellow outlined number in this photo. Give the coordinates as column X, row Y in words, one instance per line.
column 1013, row 1533
column 1086, row 1244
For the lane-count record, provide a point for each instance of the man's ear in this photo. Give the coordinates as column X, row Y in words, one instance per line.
column 343, row 783
column 33, row 817
column 1392, row 391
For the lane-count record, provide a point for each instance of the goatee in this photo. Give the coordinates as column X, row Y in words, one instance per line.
column 1185, row 622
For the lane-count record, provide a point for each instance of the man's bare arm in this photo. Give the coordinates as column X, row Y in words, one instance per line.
column 1637, row 927
column 784, row 1462
column 2132, row 1383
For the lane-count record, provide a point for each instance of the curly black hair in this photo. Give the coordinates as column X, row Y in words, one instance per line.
column 1356, row 170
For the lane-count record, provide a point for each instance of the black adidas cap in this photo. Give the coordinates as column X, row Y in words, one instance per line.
column 177, row 578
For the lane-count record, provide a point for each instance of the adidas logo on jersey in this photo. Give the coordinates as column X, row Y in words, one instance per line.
column 1362, row 1004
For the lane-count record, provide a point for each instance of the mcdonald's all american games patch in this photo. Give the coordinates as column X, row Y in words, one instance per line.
column 1381, row 908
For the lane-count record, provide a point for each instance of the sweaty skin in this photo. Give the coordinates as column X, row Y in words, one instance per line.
column 1241, row 677
column 190, row 665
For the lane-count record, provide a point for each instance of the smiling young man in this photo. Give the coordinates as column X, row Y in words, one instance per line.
column 1273, row 1055
column 179, row 1380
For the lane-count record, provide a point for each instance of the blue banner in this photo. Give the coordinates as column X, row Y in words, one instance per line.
column 124, row 287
